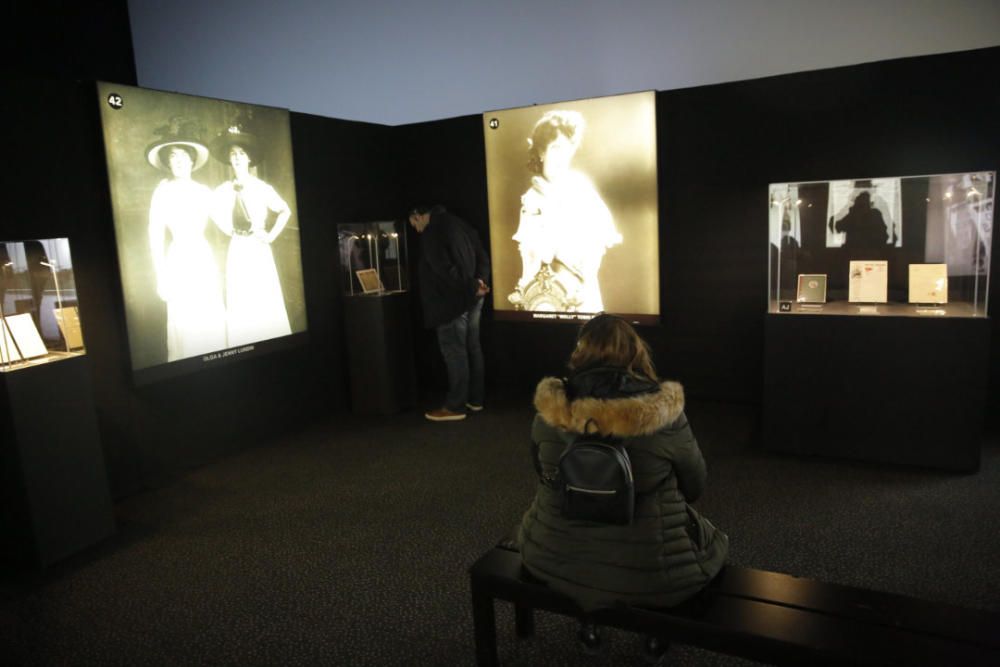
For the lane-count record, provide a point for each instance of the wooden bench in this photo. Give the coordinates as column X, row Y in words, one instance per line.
column 760, row 615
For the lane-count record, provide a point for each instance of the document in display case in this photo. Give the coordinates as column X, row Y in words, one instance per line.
column 69, row 324
column 929, row 283
column 902, row 242
column 9, row 351
column 812, row 288
column 868, row 282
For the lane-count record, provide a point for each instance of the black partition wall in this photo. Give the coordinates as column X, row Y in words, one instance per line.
column 719, row 147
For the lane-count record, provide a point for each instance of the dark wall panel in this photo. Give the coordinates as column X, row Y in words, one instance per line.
column 719, row 148
column 65, row 39
column 442, row 162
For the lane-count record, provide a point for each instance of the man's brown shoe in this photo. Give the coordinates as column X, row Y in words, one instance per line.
column 444, row 415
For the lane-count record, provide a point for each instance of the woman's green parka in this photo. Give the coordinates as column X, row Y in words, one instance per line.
column 669, row 552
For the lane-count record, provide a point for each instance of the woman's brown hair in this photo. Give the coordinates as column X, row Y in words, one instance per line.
column 608, row 340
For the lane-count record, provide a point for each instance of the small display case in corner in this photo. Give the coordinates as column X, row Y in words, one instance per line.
column 39, row 312
column 373, row 258
column 914, row 246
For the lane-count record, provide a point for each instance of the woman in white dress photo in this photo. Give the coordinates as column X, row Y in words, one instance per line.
column 187, row 276
column 242, row 207
column 565, row 227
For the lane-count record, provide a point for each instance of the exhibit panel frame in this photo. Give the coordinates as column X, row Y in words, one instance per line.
column 39, row 310
column 206, row 228
column 573, row 201
column 914, row 246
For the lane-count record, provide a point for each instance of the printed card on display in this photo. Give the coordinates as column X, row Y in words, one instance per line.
column 25, row 334
column 811, row 288
column 928, row 283
column 868, row 281
column 69, row 323
column 8, row 350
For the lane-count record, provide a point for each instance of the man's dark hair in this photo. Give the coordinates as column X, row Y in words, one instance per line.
column 419, row 209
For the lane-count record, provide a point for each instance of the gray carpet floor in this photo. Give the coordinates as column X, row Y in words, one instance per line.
column 348, row 544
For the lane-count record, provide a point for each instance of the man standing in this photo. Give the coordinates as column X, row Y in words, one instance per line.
column 453, row 271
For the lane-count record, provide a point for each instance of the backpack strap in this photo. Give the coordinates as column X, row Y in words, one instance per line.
column 550, row 480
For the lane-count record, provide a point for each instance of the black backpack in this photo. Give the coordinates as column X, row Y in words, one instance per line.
column 595, row 480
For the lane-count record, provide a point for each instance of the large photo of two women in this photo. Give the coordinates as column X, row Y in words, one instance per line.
column 203, row 195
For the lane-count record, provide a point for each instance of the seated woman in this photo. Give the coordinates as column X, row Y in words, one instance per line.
column 669, row 552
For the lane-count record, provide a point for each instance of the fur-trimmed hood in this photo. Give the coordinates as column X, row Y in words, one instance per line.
column 630, row 416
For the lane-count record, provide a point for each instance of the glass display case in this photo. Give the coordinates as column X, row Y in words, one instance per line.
column 905, row 246
column 39, row 314
column 373, row 257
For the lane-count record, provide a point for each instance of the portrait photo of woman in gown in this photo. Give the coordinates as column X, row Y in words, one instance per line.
column 187, row 276
column 253, row 215
column 565, row 227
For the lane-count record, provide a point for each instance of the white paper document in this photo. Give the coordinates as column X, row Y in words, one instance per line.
column 928, row 283
column 8, row 351
column 868, row 281
column 25, row 334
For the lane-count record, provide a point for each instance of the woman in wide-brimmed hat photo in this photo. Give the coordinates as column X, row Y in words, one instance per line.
column 187, row 276
column 242, row 206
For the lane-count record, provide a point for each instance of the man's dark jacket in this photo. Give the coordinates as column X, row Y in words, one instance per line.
column 452, row 261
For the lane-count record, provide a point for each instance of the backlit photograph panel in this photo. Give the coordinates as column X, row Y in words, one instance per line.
column 573, row 209
column 206, row 225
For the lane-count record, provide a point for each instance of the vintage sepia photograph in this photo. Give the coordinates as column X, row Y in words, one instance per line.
column 573, row 203
column 206, row 225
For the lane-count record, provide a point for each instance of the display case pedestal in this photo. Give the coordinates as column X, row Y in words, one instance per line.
column 56, row 500
column 380, row 353
column 897, row 390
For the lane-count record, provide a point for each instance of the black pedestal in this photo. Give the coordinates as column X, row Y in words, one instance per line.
column 55, row 498
column 380, row 353
column 888, row 389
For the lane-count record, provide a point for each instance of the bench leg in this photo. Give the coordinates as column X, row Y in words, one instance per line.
column 524, row 621
column 484, row 622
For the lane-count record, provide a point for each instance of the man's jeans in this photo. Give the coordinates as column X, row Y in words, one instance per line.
column 459, row 343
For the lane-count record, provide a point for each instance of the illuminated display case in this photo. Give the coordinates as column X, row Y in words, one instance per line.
column 374, row 265
column 39, row 313
column 900, row 246
column 373, row 257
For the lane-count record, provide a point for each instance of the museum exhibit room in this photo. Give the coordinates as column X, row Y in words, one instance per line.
column 527, row 333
